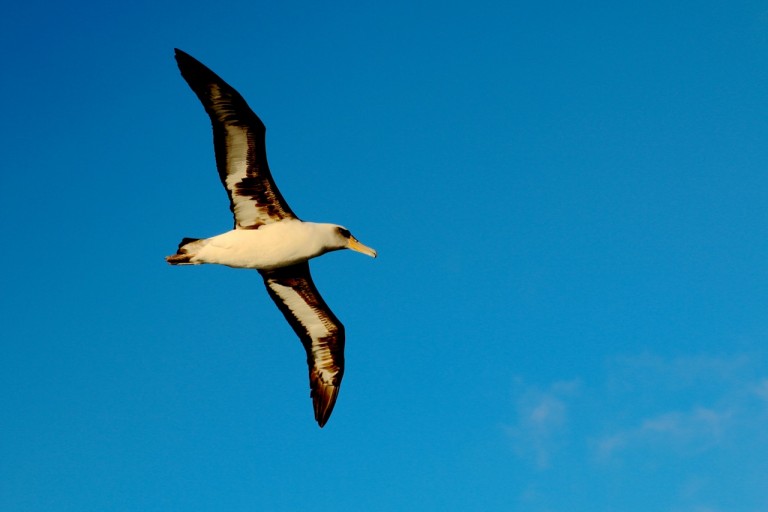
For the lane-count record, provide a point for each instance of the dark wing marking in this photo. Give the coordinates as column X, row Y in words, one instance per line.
column 320, row 332
column 238, row 140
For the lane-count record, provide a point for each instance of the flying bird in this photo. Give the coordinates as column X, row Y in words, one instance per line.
column 267, row 235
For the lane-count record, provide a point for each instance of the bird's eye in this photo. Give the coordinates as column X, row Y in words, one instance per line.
column 345, row 232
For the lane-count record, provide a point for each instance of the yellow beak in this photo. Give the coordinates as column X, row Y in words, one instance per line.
column 357, row 246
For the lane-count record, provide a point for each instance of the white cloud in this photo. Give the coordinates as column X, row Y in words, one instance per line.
column 687, row 421
column 687, row 424
column 653, row 371
column 692, row 430
column 683, row 405
column 541, row 421
column 761, row 389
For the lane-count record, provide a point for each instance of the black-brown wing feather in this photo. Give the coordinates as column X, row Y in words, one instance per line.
column 238, row 140
column 317, row 327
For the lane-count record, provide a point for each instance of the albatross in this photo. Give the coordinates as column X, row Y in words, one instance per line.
column 267, row 235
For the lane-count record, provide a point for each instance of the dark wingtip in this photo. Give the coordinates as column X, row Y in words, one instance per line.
column 184, row 59
column 229, row 107
column 323, row 399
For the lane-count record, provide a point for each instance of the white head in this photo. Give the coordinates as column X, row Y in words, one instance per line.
column 341, row 238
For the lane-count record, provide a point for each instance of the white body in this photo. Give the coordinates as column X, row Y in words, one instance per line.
column 270, row 246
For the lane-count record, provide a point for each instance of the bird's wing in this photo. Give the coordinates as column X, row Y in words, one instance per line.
column 238, row 140
column 320, row 332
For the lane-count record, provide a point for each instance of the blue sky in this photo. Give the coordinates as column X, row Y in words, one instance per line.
column 569, row 311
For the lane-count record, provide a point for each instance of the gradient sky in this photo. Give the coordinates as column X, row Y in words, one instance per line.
column 569, row 311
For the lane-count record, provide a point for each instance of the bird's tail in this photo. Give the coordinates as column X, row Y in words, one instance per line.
column 187, row 250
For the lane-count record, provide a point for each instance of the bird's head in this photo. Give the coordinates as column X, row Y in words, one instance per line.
column 347, row 241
